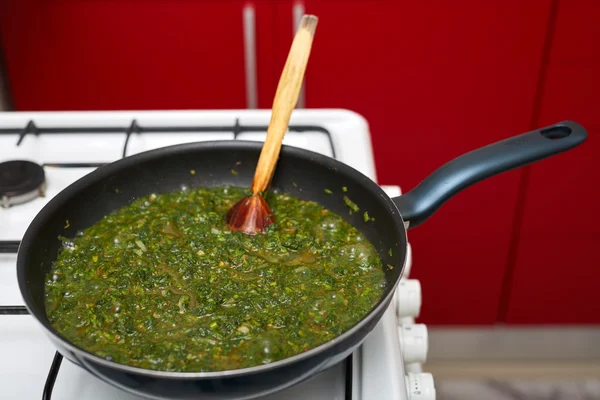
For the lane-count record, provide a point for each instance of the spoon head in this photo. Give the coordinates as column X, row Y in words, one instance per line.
column 251, row 215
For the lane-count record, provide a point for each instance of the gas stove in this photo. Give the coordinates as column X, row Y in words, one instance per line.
column 41, row 153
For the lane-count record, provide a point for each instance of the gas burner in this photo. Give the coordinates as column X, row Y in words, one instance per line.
column 20, row 182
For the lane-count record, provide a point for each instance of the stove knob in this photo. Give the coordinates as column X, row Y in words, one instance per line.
column 408, row 298
column 413, row 342
column 420, row 386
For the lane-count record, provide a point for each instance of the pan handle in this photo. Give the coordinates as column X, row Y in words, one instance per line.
column 428, row 196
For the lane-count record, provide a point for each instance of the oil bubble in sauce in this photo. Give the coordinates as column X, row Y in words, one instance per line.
column 303, row 272
column 330, row 222
column 360, row 253
column 268, row 350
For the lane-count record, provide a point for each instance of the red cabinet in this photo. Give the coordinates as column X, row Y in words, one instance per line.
column 558, row 260
column 133, row 54
column 435, row 80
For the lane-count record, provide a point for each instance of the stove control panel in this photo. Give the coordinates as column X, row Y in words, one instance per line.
column 408, row 298
column 414, row 342
column 420, row 386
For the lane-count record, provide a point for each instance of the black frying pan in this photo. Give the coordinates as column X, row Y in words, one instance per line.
column 162, row 170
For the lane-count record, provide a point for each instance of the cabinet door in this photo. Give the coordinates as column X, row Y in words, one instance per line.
column 558, row 265
column 131, row 54
column 435, row 80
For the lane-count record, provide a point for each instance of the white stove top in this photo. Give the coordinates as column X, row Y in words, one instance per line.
column 64, row 138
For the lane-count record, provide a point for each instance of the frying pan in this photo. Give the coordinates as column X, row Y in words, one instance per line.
column 300, row 173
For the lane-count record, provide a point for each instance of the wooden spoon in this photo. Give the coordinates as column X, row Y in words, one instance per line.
column 252, row 214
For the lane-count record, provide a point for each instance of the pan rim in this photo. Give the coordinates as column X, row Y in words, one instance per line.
column 116, row 167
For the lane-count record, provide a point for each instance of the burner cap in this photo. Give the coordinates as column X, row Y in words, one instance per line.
column 20, row 181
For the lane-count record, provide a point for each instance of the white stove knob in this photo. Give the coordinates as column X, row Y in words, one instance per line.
column 413, row 342
column 408, row 298
column 420, row 386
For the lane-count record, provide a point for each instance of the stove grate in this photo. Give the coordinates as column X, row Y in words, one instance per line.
column 9, row 246
column 135, row 128
column 6, row 247
column 13, row 310
column 51, row 379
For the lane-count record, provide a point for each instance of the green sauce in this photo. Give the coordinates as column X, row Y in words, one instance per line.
column 163, row 284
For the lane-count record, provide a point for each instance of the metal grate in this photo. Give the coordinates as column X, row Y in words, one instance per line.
column 10, row 246
column 135, row 128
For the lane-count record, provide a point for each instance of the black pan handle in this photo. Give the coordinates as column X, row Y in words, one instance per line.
column 427, row 197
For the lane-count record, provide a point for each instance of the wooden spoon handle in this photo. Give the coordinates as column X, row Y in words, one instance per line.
column 285, row 101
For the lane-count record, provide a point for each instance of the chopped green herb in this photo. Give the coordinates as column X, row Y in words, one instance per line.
column 351, row 204
column 327, row 191
column 390, row 252
column 366, row 216
column 169, row 287
column 67, row 224
column 192, row 171
column 234, row 172
column 140, row 245
column 344, row 189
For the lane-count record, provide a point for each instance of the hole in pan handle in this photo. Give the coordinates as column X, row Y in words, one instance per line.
column 428, row 196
